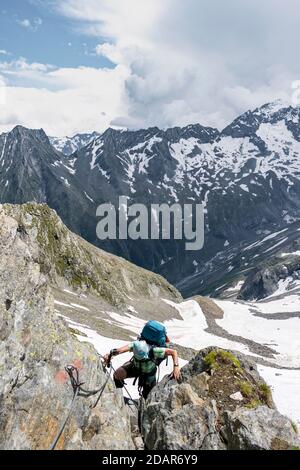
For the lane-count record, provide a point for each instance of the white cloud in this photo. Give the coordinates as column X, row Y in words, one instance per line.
column 197, row 60
column 63, row 101
column 127, row 20
column 20, row 65
column 110, row 51
column 4, row 52
column 177, row 62
column 31, row 25
column 2, row 92
column 25, row 23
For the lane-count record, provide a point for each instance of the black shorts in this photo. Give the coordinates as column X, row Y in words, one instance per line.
column 132, row 372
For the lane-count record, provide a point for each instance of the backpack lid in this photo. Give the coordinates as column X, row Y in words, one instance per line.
column 141, row 350
column 154, row 333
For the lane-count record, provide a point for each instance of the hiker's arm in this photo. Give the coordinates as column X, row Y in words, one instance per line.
column 176, row 368
column 121, row 350
column 116, row 352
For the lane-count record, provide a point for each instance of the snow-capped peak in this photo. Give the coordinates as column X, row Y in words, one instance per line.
column 274, row 107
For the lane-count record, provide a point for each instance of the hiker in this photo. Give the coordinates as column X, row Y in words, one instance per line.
column 149, row 350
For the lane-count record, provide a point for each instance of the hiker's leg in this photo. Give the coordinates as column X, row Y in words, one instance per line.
column 148, row 385
column 122, row 373
column 119, row 377
column 147, row 389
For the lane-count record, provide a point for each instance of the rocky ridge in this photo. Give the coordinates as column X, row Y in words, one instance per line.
column 35, row 347
column 66, row 258
column 220, row 403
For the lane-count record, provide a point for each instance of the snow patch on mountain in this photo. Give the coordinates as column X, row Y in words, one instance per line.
column 88, row 197
column 66, row 182
column 70, row 145
column 182, row 149
column 136, row 159
column 285, row 386
column 265, row 239
column 276, row 245
column 292, row 253
column 285, row 286
column 3, row 148
column 282, row 335
column 95, row 152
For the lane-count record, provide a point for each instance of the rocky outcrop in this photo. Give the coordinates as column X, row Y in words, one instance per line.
column 35, row 347
column 264, row 281
column 221, row 403
column 262, row 429
column 65, row 258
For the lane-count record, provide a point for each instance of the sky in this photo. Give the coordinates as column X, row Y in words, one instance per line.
column 73, row 66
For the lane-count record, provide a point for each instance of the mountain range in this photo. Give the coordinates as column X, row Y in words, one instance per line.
column 247, row 176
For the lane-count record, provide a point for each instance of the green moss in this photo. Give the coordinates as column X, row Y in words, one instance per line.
column 254, row 403
column 255, row 393
column 75, row 332
column 211, row 359
column 295, row 448
column 246, row 388
column 265, row 392
column 215, row 358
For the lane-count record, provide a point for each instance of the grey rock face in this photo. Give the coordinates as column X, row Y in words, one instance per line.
column 264, row 281
column 66, row 258
column 199, row 412
column 32, row 170
column 176, row 418
column 35, row 392
column 262, row 429
column 260, row 265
